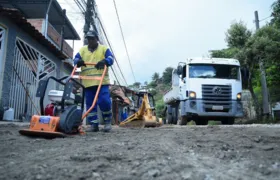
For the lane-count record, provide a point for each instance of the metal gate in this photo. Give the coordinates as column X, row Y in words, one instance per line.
column 29, row 67
column 2, row 46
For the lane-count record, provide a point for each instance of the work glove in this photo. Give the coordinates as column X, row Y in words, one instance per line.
column 101, row 64
column 81, row 63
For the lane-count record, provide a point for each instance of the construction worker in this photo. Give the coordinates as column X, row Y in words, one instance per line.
column 101, row 55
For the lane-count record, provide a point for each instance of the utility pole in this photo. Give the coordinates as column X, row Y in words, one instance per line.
column 88, row 18
column 265, row 101
column 89, row 22
column 88, row 15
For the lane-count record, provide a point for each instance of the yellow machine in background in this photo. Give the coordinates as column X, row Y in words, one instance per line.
column 144, row 117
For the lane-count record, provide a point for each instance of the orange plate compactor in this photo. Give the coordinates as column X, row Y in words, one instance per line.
column 67, row 118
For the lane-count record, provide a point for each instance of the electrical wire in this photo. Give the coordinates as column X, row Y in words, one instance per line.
column 102, row 27
column 112, row 67
column 83, row 12
column 80, row 6
column 265, row 18
column 104, row 32
column 124, row 40
column 111, row 47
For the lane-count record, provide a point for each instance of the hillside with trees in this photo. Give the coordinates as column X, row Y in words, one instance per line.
column 159, row 84
column 249, row 48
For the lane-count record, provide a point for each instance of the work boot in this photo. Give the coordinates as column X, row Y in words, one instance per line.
column 93, row 128
column 107, row 126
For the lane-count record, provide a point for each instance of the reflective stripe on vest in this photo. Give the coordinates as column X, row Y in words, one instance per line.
column 93, row 57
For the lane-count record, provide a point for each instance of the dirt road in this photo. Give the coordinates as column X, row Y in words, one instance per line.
column 169, row 152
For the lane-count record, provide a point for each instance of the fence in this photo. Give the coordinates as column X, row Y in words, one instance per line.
column 29, row 67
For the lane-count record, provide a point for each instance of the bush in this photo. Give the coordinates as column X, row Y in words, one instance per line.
column 159, row 108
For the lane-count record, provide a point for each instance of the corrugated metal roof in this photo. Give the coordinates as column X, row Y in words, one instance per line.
column 36, row 9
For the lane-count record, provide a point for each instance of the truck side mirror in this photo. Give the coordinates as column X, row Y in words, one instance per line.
column 179, row 70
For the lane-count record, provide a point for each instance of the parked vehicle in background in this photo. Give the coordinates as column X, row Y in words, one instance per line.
column 205, row 89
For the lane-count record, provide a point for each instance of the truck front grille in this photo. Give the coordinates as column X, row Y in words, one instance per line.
column 216, row 96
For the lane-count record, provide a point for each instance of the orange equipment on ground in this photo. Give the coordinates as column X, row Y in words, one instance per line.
column 68, row 117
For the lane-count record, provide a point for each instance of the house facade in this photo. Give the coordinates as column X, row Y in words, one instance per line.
column 32, row 48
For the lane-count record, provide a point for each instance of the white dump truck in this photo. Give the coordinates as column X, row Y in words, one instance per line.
column 205, row 89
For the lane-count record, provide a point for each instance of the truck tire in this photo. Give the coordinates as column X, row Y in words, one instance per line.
column 183, row 120
column 175, row 115
column 201, row 121
column 168, row 117
column 228, row 121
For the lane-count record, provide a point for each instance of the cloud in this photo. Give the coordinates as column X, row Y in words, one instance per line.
column 161, row 33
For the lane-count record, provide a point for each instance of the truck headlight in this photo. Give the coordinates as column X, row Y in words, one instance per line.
column 238, row 96
column 192, row 95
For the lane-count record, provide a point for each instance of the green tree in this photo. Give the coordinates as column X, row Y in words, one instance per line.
column 160, row 107
column 167, row 75
column 225, row 53
column 136, row 85
column 237, row 38
column 237, row 35
column 155, row 77
column 152, row 84
column 264, row 45
column 275, row 21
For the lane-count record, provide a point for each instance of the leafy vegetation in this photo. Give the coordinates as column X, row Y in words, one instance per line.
column 250, row 48
column 158, row 86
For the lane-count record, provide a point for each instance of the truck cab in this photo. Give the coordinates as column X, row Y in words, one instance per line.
column 205, row 89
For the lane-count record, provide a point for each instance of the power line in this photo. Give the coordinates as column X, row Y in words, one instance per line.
column 105, row 34
column 265, row 18
column 115, row 76
column 112, row 50
column 102, row 27
column 124, row 40
column 80, row 6
column 112, row 68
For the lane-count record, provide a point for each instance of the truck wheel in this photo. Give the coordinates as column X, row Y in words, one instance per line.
column 175, row 115
column 228, row 121
column 201, row 121
column 168, row 117
column 163, row 120
column 183, row 120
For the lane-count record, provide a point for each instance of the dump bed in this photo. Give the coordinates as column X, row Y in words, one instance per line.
column 172, row 95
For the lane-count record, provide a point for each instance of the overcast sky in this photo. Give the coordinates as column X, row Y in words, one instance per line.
column 161, row 33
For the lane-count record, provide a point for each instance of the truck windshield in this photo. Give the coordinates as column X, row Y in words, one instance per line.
column 213, row 71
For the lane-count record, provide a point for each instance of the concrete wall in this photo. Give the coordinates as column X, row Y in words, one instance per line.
column 13, row 32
